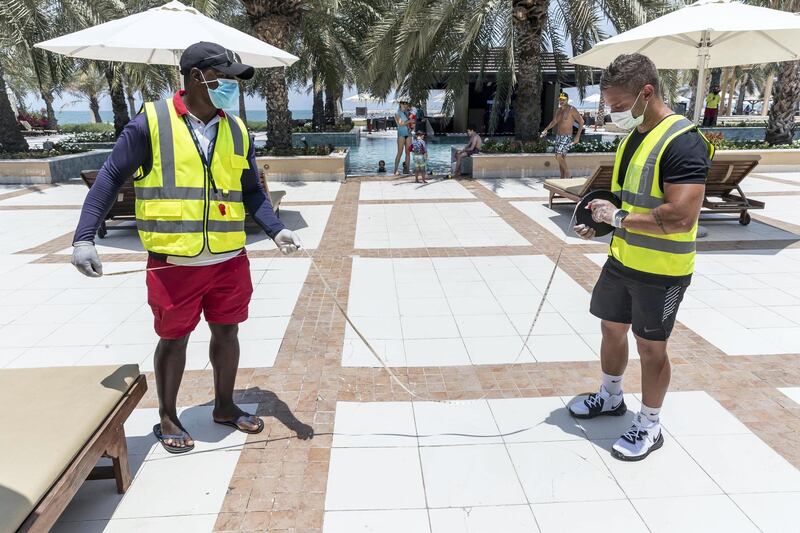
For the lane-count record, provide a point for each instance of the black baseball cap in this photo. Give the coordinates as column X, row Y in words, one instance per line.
column 204, row 54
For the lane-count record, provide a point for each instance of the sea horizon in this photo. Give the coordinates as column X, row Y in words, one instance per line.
column 74, row 116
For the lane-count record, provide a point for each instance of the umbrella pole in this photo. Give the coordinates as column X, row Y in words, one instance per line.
column 702, row 63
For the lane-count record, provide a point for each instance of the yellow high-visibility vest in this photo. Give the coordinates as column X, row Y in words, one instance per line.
column 664, row 254
column 177, row 208
column 712, row 101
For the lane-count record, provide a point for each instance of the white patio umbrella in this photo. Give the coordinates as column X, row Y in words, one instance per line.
column 158, row 36
column 366, row 98
column 707, row 34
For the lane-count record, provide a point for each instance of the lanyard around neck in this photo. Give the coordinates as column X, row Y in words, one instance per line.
column 203, row 157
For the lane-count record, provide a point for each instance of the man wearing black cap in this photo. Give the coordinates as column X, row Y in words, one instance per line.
column 195, row 175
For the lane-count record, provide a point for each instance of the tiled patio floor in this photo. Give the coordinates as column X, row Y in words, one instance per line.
column 444, row 280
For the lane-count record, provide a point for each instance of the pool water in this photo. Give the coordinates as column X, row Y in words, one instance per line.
column 364, row 157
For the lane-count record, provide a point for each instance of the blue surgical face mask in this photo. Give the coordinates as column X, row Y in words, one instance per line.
column 226, row 95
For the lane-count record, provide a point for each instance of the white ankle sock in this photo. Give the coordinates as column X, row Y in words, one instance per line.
column 651, row 412
column 613, row 384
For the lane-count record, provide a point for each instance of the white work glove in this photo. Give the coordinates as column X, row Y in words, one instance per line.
column 86, row 260
column 287, row 242
column 603, row 211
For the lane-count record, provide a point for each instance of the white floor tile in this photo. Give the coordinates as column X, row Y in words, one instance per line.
column 758, row 467
column 694, row 514
column 38, row 356
column 497, row 350
column 436, row 352
column 540, row 419
column 374, row 478
column 401, row 521
column 670, row 462
column 562, row 472
column 697, row 413
column 772, row 513
column 792, row 392
column 551, row 348
column 587, row 516
column 258, row 353
column 434, row 327
column 467, row 476
column 374, row 425
column 486, row 326
column 467, row 422
column 508, row 519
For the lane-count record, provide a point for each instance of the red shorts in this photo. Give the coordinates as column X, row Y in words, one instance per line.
column 178, row 294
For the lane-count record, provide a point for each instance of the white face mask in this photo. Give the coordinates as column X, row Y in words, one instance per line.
column 626, row 120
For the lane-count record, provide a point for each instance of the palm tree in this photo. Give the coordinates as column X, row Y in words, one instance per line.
column 785, row 96
column 89, row 85
column 417, row 45
column 276, row 22
column 11, row 138
column 785, row 90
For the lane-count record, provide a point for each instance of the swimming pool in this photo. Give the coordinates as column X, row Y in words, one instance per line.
column 364, row 157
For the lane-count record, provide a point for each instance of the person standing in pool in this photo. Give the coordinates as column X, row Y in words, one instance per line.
column 403, row 136
column 566, row 116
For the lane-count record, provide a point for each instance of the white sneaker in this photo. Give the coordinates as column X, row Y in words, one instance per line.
column 639, row 441
column 602, row 403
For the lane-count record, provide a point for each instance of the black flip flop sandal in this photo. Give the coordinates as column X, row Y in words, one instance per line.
column 169, row 447
column 234, row 425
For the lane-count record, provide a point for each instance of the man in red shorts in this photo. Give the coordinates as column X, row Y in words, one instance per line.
column 195, row 175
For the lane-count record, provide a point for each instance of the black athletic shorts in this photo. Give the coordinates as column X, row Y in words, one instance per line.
column 650, row 308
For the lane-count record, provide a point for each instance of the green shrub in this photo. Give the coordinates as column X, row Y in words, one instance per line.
column 308, row 128
column 542, row 146
column 257, row 125
column 92, row 137
column 58, row 149
column 320, row 149
column 89, row 128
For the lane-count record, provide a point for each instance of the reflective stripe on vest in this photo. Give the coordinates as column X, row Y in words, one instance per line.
column 665, row 254
column 177, row 211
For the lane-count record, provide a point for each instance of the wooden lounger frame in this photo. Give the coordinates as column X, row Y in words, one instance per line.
column 124, row 207
column 107, row 441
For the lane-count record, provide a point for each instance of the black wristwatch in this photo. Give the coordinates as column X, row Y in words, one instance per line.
column 619, row 216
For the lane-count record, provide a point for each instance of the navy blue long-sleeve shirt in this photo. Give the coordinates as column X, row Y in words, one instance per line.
column 133, row 151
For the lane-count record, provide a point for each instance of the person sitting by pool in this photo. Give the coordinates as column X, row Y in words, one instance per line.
column 382, row 166
column 420, row 151
column 472, row 147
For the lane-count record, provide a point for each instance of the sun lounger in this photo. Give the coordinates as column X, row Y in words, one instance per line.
column 576, row 188
column 723, row 182
column 275, row 197
column 56, row 424
column 123, row 209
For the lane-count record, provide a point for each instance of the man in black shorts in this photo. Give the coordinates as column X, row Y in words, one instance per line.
column 660, row 178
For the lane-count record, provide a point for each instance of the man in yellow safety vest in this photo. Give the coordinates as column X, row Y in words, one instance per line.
column 712, row 107
column 659, row 175
column 195, row 177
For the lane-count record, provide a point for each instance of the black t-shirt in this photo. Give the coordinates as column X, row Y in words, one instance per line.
column 684, row 161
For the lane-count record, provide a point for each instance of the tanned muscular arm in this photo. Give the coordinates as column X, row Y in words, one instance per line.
column 577, row 117
column 680, row 211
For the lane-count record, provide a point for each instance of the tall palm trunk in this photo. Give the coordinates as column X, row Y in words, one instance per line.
column 276, row 22
column 11, row 138
column 766, row 93
column 530, row 17
column 118, row 104
column 333, row 110
column 94, row 107
column 131, row 100
column 729, row 106
column 785, row 96
column 318, row 107
column 693, row 100
column 48, row 98
column 742, row 95
column 600, row 120
column 242, row 108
